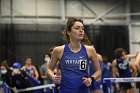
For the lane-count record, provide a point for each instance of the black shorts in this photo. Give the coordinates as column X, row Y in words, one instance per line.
column 125, row 86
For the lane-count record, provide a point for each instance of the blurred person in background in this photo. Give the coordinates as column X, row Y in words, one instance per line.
column 137, row 64
column 56, row 70
column 95, row 86
column 19, row 78
column 43, row 71
column 106, row 72
column 6, row 74
column 125, row 69
column 30, row 69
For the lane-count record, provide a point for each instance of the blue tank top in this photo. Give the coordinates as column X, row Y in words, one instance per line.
column 123, row 68
column 30, row 71
column 106, row 72
column 74, row 66
column 92, row 71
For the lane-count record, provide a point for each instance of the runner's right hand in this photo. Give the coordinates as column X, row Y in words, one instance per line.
column 57, row 78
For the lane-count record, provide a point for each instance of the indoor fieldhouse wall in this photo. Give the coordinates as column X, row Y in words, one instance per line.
column 38, row 12
column 50, row 11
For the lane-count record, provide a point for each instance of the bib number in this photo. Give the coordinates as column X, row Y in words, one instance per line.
column 83, row 64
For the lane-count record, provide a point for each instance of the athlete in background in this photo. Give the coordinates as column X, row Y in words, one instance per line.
column 123, row 67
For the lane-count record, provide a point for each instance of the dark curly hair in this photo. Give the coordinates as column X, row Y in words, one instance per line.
column 118, row 52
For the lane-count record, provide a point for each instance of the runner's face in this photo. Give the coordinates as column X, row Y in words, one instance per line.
column 77, row 31
column 28, row 61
